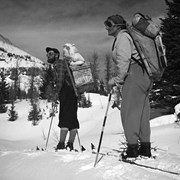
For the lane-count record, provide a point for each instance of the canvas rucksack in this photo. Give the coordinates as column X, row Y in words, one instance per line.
column 82, row 78
column 147, row 39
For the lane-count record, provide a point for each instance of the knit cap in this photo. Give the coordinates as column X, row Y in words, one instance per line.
column 117, row 19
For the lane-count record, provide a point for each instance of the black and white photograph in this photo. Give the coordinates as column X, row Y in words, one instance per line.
column 89, row 89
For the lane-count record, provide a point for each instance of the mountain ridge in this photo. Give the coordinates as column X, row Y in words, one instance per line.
column 4, row 39
column 11, row 55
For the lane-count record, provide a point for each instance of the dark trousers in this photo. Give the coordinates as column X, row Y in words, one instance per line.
column 135, row 107
column 68, row 108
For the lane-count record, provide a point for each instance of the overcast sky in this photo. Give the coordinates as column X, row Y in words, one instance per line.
column 32, row 25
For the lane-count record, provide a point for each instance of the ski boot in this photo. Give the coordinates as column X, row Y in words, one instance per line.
column 145, row 149
column 69, row 146
column 60, row 146
column 131, row 152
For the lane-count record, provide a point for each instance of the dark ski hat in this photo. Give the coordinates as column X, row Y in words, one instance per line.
column 52, row 49
column 117, row 19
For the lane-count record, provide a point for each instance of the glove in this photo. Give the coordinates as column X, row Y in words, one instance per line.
column 111, row 83
column 55, row 98
column 120, row 88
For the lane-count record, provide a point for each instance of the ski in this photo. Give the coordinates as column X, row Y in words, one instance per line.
column 149, row 167
column 133, row 161
column 82, row 149
column 67, row 150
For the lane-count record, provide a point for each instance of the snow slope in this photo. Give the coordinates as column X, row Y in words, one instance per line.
column 19, row 159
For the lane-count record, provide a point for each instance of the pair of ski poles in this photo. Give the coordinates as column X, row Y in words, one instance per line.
column 52, row 115
column 53, row 108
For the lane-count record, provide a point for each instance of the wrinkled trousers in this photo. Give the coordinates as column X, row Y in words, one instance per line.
column 135, row 107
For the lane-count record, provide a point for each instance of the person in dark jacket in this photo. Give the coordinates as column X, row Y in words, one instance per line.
column 135, row 84
column 63, row 90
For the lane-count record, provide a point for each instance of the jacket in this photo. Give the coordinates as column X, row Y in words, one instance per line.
column 61, row 76
column 122, row 54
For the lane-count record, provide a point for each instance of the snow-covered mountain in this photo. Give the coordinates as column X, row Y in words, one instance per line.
column 11, row 56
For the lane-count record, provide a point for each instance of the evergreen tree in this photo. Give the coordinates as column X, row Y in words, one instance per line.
column 32, row 92
column 16, row 80
column 34, row 114
column 108, row 66
column 166, row 92
column 12, row 113
column 95, row 71
column 84, row 102
column 171, row 39
column 4, row 93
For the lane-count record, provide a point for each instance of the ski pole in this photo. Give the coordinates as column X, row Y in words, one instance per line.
column 102, row 131
column 52, row 114
column 81, row 147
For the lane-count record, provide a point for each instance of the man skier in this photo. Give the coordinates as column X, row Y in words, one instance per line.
column 64, row 91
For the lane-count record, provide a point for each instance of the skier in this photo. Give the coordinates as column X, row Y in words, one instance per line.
column 136, row 84
column 64, row 91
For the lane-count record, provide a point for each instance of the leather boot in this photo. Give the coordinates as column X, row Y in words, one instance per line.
column 131, row 152
column 145, row 149
column 69, row 146
column 61, row 145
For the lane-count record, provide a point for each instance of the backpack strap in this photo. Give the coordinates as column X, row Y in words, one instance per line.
column 140, row 50
column 138, row 61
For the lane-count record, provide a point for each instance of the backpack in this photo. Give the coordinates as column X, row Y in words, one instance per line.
column 147, row 39
column 82, row 78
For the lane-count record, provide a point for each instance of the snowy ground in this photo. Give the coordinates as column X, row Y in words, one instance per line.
column 19, row 159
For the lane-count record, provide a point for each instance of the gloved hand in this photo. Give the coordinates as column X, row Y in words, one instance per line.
column 54, row 107
column 120, row 87
column 111, row 83
column 55, row 98
column 116, row 96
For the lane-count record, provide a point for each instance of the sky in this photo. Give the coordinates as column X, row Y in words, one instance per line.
column 33, row 25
